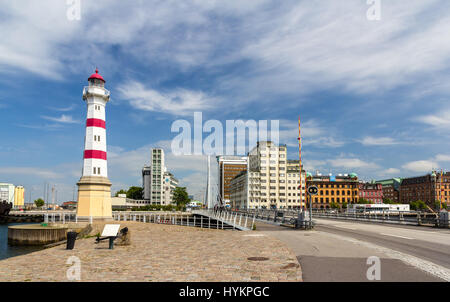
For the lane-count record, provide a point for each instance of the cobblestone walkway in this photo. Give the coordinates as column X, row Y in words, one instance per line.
column 163, row 253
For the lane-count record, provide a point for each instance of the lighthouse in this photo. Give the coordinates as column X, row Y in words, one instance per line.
column 94, row 187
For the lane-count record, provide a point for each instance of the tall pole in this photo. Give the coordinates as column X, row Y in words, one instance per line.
column 440, row 191
column 300, row 159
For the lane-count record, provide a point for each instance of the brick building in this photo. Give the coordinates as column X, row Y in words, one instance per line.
column 430, row 188
column 371, row 191
column 391, row 188
column 229, row 167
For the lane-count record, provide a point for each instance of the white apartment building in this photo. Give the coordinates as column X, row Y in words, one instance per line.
column 271, row 181
column 158, row 183
column 170, row 183
column 7, row 192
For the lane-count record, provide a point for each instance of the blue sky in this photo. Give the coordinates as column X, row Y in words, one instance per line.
column 372, row 95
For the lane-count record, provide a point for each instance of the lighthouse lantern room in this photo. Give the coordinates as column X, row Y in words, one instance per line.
column 94, row 187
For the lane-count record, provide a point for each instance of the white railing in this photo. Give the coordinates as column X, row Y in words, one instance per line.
column 236, row 220
column 182, row 219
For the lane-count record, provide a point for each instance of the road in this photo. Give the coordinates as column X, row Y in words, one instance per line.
column 338, row 250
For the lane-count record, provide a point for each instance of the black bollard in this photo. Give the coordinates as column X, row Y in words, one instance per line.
column 71, row 237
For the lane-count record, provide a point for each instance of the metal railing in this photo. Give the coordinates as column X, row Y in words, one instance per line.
column 406, row 218
column 182, row 219
column 236, row 220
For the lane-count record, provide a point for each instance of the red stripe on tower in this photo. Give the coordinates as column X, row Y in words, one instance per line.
column 95, row 122
column 95, row 154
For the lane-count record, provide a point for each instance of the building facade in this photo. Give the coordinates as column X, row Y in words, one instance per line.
column 228, row 168
column 158, row 183
column 271, row 181
column 170, row 183
column 334, row 190
column 19, row 197
column 370, row 191
column 391, row 188
column 7, row 192
column 430, row 188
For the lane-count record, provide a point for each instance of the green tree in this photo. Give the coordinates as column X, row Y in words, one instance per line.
column 120, row 192
column 135, row 193
column 388, row 201
column 39, row 202
column 364, row 201
column 344, row 205
column 180, row 196
column 418, row 205
column 334, row 205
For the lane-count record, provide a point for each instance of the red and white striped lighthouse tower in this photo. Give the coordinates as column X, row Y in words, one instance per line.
column 94, row 187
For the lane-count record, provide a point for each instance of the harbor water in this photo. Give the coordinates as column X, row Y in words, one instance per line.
column 6, row 250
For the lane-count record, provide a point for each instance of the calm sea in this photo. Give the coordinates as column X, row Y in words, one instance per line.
column 7, row 251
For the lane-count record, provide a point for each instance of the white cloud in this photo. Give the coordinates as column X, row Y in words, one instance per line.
column 295, row 46
column 439, row 120
column 65, row 119
column 176, row 102
column 420, row 166
column 352, row 163
column 43, row 173
column 63, row 109
column 442, row 157
column 391, row 171
column 313, row 134
column 378, row 141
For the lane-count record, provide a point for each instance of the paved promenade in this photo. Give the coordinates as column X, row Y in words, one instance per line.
column 163, row 253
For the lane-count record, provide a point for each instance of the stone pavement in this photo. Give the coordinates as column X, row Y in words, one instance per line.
column 163, row 253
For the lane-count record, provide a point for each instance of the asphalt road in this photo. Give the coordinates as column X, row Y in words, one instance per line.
column 338, row 251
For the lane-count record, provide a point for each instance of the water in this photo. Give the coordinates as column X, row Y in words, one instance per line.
column 7, row 251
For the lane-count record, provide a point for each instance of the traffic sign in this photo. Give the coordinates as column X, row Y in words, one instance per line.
column 313, row 190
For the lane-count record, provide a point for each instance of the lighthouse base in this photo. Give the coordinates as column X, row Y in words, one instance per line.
column 94, row 199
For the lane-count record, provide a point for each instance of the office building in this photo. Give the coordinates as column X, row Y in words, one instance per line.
column 7, row 192
column 271, row 180
column 430, row 188
column 158, row 183
column 19, row 197
column 336, row 191
column 170, row 183
column 391, row 188
column 228, row 168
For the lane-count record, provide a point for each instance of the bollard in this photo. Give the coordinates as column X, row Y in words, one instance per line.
column 246, row 218
column 209, row 222
column 201, row 222
column 194, row 221
column 222, row 224
column 90, row 219
column 111, row 243
column 144, row 218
